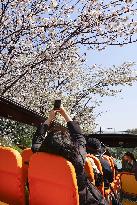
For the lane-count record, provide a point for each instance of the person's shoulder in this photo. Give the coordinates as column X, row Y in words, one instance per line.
column 74, row 127
column 73, row 122
column 104, row 162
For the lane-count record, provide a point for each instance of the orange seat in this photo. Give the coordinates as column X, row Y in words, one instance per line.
column 99, row 166
column 12, row 189
column 89, row 170
column 2, row 203
column 106, row 193
column 26, row 155
column 128, row 183
column 52, row 180
column 116, row 175
column 128, row 202
column 115, row 185
column 129, row 188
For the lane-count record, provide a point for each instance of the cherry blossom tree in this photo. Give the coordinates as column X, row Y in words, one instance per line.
column 43, row 51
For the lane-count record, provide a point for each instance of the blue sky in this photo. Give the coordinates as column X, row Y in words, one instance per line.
column 120, row 112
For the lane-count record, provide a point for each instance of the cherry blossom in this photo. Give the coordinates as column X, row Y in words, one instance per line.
column 43, row 52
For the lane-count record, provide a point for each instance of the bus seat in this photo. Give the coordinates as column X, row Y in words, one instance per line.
column 128, row 202
column 116, row 179
column 106, row 193
column 52, row 180
column 113, row 166
column 128, row 183
column 98, row 164
column 2, row 203
column 115, row 185
column 12, row 189
column 89, row 170
column 26, row 154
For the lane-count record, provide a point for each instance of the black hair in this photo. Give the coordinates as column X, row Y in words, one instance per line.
column 58, row 141
column 129, row 154
column 94, row 143
column 107, row 152
column 93, row 146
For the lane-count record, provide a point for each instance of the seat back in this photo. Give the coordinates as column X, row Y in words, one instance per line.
column 99, row 166
column 89, row 170
column 128, row 202
column 113, row 166
column 128, row 183
column 26, row 155
column 52, row 180
column 97, row 162
column 2, row 203
column 115, row 185
column 12, row 189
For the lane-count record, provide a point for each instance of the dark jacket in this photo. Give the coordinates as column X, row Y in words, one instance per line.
column 87, row 191
column 107, row 172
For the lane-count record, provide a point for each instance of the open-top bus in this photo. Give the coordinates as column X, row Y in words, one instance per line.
column 52, row 179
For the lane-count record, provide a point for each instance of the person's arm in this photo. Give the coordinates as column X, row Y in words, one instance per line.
column 51, row 117
column 73, row 126
column 77, row 137
column 79, row 141
column 64, row 114
column 40, row 133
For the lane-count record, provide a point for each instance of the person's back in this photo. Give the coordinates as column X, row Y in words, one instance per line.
column 107, row 172
column 72, row 147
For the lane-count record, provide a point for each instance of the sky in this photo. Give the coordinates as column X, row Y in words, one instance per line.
column 119, row 113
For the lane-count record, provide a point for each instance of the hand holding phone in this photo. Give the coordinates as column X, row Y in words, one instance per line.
column 57, row 104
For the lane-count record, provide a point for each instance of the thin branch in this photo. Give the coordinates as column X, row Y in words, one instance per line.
column 14, row 82
column 61, row 83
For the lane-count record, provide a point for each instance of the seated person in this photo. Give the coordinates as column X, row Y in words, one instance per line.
column 71, row 145
column 94, row 147
column 129, row 163
column 108, row 153
column 98, row 176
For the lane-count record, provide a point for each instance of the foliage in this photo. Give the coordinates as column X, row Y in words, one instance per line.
column 43, row 52
column 17, row 148
column 132, row 131
column 118, row 152
column 15, row 134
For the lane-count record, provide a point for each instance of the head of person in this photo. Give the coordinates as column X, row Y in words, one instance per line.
column 93, row 146
column 107, row 152
column 128, row 156
column 58, row 141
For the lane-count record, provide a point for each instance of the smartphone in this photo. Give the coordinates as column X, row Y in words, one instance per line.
column 57, row 104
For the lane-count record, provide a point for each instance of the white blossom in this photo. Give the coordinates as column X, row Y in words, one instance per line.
column 43, row 47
